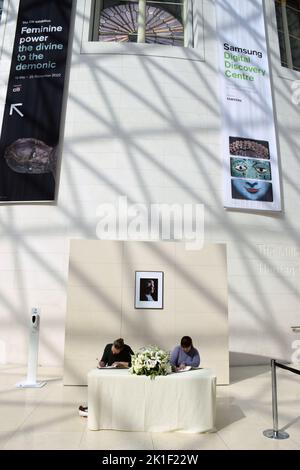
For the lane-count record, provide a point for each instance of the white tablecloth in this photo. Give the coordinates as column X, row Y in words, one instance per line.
column 178, row 402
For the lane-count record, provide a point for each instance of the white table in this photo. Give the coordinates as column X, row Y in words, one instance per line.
column 178, row 402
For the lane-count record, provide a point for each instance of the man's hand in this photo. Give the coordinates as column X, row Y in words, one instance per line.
column 119, row 365
column 181, row 367
column 101, row 364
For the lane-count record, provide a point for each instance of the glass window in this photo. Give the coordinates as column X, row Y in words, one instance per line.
column 118, row 21
column 140, row 21
column 164, row 23
column 288, row 25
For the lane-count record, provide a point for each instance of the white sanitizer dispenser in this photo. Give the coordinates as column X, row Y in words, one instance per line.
column 34, row 333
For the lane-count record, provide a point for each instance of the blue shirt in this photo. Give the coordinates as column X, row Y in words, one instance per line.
column 179, row 356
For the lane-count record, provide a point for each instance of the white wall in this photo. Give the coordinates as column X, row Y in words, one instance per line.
column 101, row 292
column 148, row 127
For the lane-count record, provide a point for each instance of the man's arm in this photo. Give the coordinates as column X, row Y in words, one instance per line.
column 104, row 359
column 196, row 360
column 125, row 363
column 126, row 358
column 131, row 353
column 174, row 356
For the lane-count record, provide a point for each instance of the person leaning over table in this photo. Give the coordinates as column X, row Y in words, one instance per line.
column 115, row 354
column 185, row 355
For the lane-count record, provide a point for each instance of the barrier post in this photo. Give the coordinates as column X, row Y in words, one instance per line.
column 275, row 433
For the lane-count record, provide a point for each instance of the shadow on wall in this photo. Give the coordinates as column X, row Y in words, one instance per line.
column 244, row 359
column 238, row 361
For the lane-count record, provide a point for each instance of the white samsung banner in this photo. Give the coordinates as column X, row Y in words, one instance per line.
column 251, row 176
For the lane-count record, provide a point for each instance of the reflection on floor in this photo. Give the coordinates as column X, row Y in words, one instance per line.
column 47, row 418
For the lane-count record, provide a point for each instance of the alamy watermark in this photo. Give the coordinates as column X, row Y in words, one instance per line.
column 280, row 260
column 151, row 222
column 296, row 92
column 295, row 358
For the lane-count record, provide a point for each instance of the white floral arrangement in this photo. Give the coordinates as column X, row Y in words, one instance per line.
column 151, row 361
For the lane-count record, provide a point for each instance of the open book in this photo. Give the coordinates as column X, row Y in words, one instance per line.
column 111, row 367
column 187, row 368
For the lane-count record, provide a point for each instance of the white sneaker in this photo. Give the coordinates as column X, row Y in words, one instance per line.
column 83, row 411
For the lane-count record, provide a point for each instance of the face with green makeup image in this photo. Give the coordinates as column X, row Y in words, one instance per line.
column 250, row 169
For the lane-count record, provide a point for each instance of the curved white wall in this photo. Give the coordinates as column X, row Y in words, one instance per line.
column 148, row 128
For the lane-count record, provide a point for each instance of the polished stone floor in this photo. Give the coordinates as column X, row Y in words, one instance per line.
column 47, row 418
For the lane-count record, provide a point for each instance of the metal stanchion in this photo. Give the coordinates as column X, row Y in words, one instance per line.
column 275, row 433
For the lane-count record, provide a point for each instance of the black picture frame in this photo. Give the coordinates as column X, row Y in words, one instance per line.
column 149, row 290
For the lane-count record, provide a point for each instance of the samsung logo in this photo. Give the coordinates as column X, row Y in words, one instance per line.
column 240, row 50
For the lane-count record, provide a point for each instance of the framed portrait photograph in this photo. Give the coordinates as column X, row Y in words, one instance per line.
column 149, row 289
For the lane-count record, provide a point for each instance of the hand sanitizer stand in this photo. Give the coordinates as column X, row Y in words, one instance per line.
column 30, row 381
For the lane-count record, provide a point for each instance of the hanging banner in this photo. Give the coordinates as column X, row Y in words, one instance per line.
column 251, row 176
column 32, row 115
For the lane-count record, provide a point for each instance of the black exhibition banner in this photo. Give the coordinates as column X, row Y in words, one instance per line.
column 32, row 115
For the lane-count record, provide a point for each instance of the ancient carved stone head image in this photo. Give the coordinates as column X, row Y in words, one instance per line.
column 31, row 156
